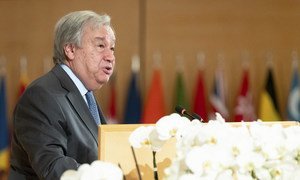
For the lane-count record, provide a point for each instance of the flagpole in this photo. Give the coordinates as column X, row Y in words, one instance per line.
column 200, row 60
column 2, row 66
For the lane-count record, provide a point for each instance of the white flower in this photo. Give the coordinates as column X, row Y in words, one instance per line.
column 98, row 170
column 168, row 126
column 205, row 159
column 189, row 177
column 243, row 176
column 225, row 175
column 70, row 175
column 250, row 161
column 140, row 136
column 186, row 137
column 263, row 173
column 217, row 150
column 155, row 141
column 146, row 136
column 292, row 135
column 269, row 139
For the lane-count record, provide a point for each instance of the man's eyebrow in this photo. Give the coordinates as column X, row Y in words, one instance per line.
column 103, row 39
column 100, row 38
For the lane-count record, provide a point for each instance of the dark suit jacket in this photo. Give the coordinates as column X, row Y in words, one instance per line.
column 53, row 129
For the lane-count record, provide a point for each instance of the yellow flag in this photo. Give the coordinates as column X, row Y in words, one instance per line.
column 269, row 110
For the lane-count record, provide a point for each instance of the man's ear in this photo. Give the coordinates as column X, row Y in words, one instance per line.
column 69, row 50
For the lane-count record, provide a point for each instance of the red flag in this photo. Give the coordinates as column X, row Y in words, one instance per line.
column 155, row 103
column 244, row 110
column 112, row 109
column 23, row 85
column 199, row 98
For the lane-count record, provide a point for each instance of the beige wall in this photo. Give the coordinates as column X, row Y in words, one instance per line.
column 228, row 27
column 171, row 27
column 26, row 28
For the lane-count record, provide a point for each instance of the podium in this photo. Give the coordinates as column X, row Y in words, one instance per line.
column 114, row 147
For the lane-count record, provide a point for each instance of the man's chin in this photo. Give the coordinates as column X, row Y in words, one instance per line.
column 103, row 81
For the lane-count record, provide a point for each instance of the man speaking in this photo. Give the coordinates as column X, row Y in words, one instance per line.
column 56, row 120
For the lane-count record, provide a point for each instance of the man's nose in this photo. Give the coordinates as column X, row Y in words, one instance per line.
column 109, row 55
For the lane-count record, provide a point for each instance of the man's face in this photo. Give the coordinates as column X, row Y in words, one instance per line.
column 94, row 60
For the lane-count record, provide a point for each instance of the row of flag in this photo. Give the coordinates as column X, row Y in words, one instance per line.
column 154, row 107
column 244, row 110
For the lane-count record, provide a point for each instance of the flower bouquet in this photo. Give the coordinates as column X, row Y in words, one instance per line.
column 218, row 150
column 95, row 171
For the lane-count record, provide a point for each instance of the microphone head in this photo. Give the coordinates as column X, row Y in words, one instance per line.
column 179, row 109
column 196, row 116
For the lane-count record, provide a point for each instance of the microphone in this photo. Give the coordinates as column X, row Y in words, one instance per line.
column 180, row 110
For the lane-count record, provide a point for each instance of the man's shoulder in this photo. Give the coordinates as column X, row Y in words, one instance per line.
column 48, row 80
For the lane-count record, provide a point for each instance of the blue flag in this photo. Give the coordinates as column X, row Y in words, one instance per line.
column 3, row 127
column 293, row 106
column 217, row 97
column 133, row 108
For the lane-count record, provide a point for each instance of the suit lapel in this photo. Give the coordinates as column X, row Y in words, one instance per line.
column 77, row 101
column 84, row 113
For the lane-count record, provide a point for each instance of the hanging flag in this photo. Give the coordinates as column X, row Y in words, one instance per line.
column 4, row 150
column 269, row 110
column 180, row 92
column 133, row 106
column 112, row 105
column 293, row 105
column 23, row 76
column 217, row 98
column 155, row 103
column 199, row 97
column 244, row 110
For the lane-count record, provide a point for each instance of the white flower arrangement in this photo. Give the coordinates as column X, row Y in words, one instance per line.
column 98, row 170
column 217, row 150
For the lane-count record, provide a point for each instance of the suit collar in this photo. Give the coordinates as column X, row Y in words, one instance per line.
column 80, row 86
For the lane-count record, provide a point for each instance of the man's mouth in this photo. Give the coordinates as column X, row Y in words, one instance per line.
column 108, row 70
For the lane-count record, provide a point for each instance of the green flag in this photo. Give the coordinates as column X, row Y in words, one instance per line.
column 180, row 92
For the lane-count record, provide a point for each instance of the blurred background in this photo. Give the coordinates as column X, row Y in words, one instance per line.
column 172, row 36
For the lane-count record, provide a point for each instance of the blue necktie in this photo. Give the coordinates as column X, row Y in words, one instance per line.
column 93, row 106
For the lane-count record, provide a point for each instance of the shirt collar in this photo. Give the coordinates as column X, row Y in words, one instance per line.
column 75, row 79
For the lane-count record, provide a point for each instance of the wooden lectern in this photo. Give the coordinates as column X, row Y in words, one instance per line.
column 114, row 147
